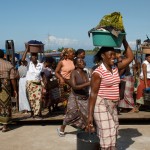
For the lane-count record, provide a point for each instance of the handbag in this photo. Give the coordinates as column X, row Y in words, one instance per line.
column 122, row 89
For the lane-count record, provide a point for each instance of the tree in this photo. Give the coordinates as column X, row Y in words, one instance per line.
column 96, row 49
column 60, row 49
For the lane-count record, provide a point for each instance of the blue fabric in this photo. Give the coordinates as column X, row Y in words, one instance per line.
column 122, row 76
column 147, row 89
column 4, row 50
column 34, row 42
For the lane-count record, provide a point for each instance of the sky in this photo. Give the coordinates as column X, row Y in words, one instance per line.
column 65, row 23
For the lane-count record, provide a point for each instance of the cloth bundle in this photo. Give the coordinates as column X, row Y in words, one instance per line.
column 112, row 22
column 34, row 42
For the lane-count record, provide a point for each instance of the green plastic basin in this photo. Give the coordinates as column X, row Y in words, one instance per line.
column 105, row 38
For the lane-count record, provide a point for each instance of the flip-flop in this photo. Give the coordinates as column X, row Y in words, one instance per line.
column 134, row 110
column 37, row 118
column 60, row 133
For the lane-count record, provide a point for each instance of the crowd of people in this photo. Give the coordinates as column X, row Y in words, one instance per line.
column 90, row 104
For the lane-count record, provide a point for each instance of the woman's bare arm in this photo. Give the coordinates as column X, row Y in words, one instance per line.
column 57, row 72
column 25, row 53
column 144, row 68
column 129, row 56
column 93, row 96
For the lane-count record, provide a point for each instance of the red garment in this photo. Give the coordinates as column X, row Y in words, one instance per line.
column 127, row 101
column 141, row 87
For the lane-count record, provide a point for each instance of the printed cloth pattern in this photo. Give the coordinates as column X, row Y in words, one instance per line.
column 34, row 95
column 106, row 119
column 5, row 101
column 76, row 114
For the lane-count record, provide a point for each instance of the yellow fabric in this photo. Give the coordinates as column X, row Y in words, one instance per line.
column 112, row 20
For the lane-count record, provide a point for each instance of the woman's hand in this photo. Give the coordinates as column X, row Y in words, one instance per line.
column 15, row 94
column 27, row 47
column 62, row 81
column 124, row 38
column 129, row 56
column 90, row 126
column 147, row 88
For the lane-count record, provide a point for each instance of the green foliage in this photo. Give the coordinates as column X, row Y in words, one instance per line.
column 60, row 49
column 88, row 52
column 96, row 49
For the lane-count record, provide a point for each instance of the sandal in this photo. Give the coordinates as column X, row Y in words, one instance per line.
column 134, row 110
column 60, row 133
column 37, row 117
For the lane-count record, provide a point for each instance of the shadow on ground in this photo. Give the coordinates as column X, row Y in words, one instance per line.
column 11, row 127
column 126, row 136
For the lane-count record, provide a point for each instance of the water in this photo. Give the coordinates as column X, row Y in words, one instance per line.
column 89, row 61
column 90, row 64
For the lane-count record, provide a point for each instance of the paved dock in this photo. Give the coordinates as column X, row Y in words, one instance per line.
column 38, row 137
column 30, row 134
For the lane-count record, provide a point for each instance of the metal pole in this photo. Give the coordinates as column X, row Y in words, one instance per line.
column 138, row 42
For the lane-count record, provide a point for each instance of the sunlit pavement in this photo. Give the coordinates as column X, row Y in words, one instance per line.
column 38, row 137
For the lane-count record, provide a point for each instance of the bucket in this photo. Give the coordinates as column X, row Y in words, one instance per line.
column 105, row 38
column 87, row 141
column 36, row 48
column 146, row 97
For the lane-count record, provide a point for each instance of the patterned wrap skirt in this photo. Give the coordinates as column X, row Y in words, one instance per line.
column 5, row 101
column 76, row 114
column 128, row 101
column 140, row 88
column 65, row 90
column 106, row 120
column 34, row 94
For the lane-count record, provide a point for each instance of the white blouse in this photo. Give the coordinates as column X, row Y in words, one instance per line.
column 34, row 72
column 148, row 70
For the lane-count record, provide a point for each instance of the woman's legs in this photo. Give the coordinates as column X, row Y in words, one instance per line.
column 34, row 96
column 106, row 119
column 61, row 130
column 139, row 97
column 136, row 108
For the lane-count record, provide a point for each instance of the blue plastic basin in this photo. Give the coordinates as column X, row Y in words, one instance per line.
column 105, row 38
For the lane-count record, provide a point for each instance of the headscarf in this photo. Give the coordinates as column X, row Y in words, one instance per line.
column 66, row 51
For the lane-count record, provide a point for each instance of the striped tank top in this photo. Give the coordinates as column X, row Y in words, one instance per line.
column 109, row 87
